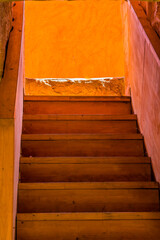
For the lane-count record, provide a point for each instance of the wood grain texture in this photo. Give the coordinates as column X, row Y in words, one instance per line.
column 85, row 160
column 84, row 172
column 98, row 148
column 88, row 185
column 78, row 182
column 87, row 197
column 6, row 177
column 61, row 117
column 79, row 136
column 55, row 126
column 99, row 216
column 11, row 107
column 77, row 105
column 89, row 229
column 77, row 108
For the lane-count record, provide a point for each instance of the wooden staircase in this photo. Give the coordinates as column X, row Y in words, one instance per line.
column 84, row 173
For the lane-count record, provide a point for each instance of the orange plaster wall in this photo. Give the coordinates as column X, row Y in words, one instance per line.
column 73, row 39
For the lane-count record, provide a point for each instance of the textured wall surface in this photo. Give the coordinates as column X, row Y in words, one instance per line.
column 70, row 39
column 75, row 87
column 143, row 69
column 5, row 27
column 152, row 10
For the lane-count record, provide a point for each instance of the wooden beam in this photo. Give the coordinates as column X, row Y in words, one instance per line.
column 11, row 106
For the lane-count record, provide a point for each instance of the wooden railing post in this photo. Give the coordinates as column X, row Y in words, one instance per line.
column 11, row 109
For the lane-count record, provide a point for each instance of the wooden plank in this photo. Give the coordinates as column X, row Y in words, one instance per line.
column 89, row 229
column 6, row 177
column 85, row 160
column 99, row 216
column 11, row 106
column 49, row 137
column 81, row 147
column 88, row 185
column 99, row 127
column 57, row 117
column 77, row 98
column 78, row 107
column 87, row 200
column 79, row 172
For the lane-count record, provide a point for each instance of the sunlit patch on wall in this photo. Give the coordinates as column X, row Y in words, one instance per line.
column 73, row 39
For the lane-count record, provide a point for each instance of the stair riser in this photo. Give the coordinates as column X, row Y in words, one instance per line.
column 33, row 126
column 90, row 230
column 84, row 172
column 83, row 148
column 108, row 108
column 89, row 200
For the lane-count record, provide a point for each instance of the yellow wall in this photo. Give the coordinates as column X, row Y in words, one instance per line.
column 73, row 39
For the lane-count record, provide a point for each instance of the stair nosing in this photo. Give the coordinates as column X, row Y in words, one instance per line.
column 78, row 117
column 74, row 160
column 87, row 185
column 77, row 98
column 50, row 137
column 85, row 216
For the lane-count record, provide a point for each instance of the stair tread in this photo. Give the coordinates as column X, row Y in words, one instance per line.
column 80, row 136
column 75, row 124
column 89, row 185
column 84, row 216
column 69, row 199
column 88, row 197
column 91, row 145
column 85, row 160
column 77, row 105
column 75, row 117
column 78, row 98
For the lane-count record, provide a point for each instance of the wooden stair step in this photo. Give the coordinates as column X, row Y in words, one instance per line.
column 88, row 197
column 77, row 105
column 79, row 124
column 84, row 174
column 82, row 145
column 91, row 226
column 85, row 169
